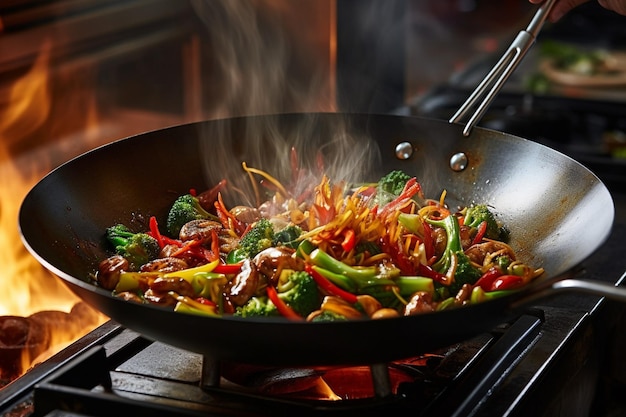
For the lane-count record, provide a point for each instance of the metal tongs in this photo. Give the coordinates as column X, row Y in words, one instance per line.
column 498, row 75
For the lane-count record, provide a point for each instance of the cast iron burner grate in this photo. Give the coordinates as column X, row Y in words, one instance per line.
column 112, row 378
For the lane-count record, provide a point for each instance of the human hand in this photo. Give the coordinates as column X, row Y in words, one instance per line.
column 561, row 7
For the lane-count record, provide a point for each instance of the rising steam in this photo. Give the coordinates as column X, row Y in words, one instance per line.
column 255, row 57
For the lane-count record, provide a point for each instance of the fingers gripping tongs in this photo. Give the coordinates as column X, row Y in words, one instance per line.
column 495, row 79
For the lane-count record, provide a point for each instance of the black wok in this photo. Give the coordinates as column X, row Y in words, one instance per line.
column 558, row 211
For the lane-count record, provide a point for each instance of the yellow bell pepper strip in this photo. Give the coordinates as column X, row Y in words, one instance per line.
column 187, row 274
column 191, row 306
column 209, row 285
column 131, row 281
column 283, row 308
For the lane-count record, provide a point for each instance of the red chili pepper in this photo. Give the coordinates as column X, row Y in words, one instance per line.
column 228, row 269
column 349, row 240
column 329, row 287
column 205, row 301
column 486, row 280
column 482, row 229
column 154, row 229
column 507, row 282
column 283, row 308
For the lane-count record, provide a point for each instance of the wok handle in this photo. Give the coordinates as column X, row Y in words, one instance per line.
column 602, row 289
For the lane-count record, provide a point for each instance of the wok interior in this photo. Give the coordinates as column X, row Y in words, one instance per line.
column 548, row 201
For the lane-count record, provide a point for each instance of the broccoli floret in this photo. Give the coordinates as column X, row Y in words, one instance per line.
column 477, row 214
column 390, row 186
column 257, row 307
column 394, row 182
column 136, row 248
column 299, row 291
column 185, row 209
column 327, row 315
column 288, row 236
column 259, row 237
column 465, row 272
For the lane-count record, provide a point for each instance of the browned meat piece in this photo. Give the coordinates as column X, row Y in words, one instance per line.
column 108, row 274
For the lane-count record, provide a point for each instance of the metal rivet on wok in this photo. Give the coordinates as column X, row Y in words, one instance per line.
column 458, row 161
column 404, row 150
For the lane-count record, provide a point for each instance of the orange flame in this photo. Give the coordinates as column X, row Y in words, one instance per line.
column 29, row 289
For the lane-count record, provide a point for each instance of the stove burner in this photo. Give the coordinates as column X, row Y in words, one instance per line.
column 122, row 374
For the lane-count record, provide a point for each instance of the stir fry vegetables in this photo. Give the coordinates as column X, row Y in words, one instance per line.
column 337, row 253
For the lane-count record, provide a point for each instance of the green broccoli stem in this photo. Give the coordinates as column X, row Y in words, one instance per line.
column 320, row 258
column 453, row 243
column 479, row 295
column 410, row 285
column 340, row 280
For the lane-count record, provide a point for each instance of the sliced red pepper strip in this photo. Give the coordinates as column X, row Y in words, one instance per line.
column 349, row 240
column 411, row 188
column 227, row 219
column 429, row 246
column 228, row 268
column 429, row 272
column 329, row 287
column 399, row 258
column 215, row 244
column 507, row 282
column 283, row 308
column 186, row 247
column 486, row 280
column 154, row 229
column 482, row 229
column 205, row 301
